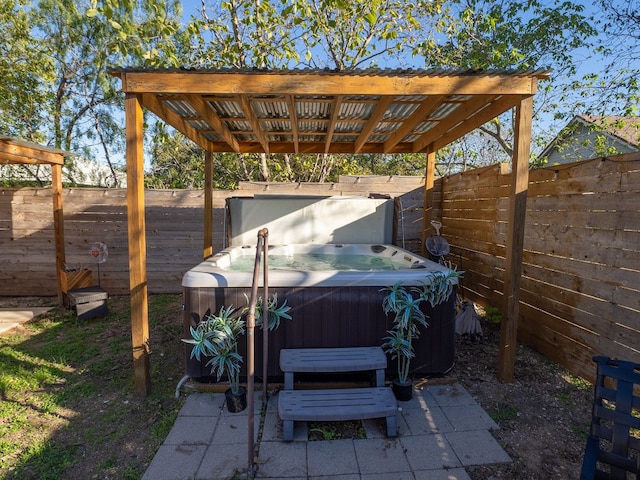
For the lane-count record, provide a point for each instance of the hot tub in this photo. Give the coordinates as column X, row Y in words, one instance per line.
column 337, row 307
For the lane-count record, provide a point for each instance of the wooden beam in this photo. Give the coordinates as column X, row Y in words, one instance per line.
column 12, row 154
column 293, row 118
column 515, row 241
column 58, row 225
column 151, row 103
column 337, row 102
column 464, row 110
column 323, row 83
column 420, row 114
column 429, row 180
column 207, row 250
column 250, row 116
column 206, row 112
column 476, row 120
column 374, row 118
column 137, row 244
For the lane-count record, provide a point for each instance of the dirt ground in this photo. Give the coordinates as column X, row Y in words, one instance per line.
column 543, row 415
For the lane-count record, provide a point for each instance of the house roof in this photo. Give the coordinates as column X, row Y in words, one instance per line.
column 626, row 129
column 16, row 151
column 322, row 111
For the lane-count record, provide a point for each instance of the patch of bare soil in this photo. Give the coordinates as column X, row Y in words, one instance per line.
column 543, row 415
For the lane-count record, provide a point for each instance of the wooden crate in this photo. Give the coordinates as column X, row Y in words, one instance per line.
column 76, row 279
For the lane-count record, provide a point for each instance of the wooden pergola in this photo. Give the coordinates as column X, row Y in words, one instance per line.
column 20, row 152
column 366, row 112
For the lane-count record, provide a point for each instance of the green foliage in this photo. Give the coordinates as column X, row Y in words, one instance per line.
column 504, row 413
column 275, row 313
column 57, row 53
column 493, row 315
column 404, row 304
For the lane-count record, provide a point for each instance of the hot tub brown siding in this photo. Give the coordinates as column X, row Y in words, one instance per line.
column 326, row 317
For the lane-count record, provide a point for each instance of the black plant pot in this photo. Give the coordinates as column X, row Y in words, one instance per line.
column 236, row 403
column 402, row 391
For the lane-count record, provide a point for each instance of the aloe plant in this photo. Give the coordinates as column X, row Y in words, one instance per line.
column 275, row 313
column 404, row 304
column 217, row 336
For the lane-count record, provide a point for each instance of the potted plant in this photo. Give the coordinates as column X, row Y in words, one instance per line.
column 216, row 337
column 404, row 304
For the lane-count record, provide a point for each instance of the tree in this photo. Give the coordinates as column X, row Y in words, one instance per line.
column 60, row 92
column 617, row 90
column 518, row 35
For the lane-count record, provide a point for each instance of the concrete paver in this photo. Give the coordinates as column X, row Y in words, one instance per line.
column 441, row 431
column 10, row 318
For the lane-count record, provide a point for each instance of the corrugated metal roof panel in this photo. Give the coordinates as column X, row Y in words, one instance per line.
column 304, row 126
column 276, row 126
column 307, row 109
column 227, row 109
column 342, row 127
column 424, row 127
column 238, row 125
column 182, row 108
column 356, row 110
column 386, row 127
column 270, row 109
column 444, row 110
column 400, row 110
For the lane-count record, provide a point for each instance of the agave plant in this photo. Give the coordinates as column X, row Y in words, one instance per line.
column 217, row 336
column 275, row 313
column 404, row 304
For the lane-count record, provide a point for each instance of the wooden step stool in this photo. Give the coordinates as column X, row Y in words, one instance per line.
column 327, row 360
column 335, row 405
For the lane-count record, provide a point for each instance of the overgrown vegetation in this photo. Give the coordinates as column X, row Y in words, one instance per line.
column 68, row 409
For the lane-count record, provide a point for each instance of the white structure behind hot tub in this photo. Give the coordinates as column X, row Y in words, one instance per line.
column 310, row 220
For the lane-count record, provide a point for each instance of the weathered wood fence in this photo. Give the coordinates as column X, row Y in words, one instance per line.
column 174, row 228
column 580, row 292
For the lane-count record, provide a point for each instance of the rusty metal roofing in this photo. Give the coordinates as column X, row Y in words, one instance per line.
column 322, row 111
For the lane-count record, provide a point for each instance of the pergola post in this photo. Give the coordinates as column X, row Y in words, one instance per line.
column 207, row 249
column 515, row 240
column 58, row 225
column 137, row 245
column 427, row 212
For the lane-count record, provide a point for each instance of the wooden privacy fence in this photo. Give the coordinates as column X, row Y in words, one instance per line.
column 580, row 291
column 174, row 228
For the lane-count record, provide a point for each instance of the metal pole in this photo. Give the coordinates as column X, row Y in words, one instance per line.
column 251, row 324
column 265, row 315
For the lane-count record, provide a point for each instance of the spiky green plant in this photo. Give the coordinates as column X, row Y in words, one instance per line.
column 404, row 305
column 217, row 335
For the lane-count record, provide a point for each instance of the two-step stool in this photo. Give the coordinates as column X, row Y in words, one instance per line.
column 88, row 302
column 335, row 404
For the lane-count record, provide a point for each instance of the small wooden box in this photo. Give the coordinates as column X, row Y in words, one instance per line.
column 89, row 302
